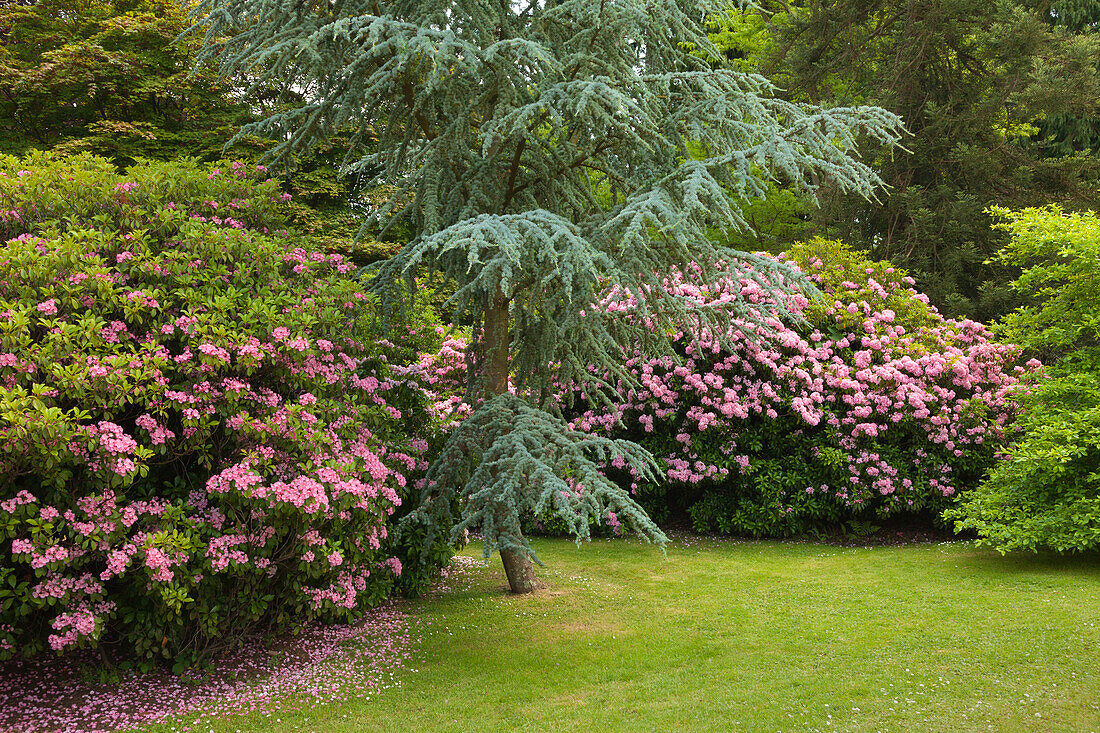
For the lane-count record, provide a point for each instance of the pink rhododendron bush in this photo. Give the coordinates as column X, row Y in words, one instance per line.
column 200, row 437
column 874, row 406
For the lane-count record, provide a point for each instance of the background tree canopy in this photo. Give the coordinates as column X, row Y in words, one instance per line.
column 105, row 77
column 1000, row 100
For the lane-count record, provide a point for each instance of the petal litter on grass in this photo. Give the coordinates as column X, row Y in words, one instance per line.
column 328, row 663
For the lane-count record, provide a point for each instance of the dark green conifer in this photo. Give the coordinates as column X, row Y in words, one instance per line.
column 998, row 98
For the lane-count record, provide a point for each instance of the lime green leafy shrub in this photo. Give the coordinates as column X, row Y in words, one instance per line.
column 1047, row 495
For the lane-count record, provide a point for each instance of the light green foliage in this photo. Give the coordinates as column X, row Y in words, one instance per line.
column 742, row 36
column 56, row 191
column 1061, row 254
column 836, row 267
column 549, row 155
column 1047, row 495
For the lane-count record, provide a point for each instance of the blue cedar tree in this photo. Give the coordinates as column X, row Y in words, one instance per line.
column 550, row 154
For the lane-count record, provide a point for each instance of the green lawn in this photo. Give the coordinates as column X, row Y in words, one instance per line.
column 755, row 636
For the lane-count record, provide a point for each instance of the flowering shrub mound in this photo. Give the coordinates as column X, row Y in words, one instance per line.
column 875, row 405
column 200, row 434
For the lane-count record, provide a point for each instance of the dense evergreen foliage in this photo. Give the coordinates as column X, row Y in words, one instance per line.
column 1000, row 100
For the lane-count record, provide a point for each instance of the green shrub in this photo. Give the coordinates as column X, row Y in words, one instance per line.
column 1047, row 494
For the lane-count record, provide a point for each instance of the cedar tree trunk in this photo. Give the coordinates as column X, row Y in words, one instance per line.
column 518, row 567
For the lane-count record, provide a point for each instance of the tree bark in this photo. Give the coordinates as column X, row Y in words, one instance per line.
column 496, row 346
column 518, row 567
column 520, row 571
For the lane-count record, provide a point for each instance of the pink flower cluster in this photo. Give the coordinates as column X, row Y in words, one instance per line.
column 202, row 409
column 858, row 412
column 874, row 403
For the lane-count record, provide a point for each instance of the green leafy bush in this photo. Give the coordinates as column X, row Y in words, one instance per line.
column 1047, row 494
column 200, row 433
